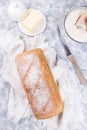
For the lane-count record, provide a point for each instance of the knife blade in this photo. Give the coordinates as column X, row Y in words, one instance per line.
column 71, row 58
column 67, row 50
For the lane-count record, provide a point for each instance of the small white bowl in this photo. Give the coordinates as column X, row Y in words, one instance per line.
column 40, row 28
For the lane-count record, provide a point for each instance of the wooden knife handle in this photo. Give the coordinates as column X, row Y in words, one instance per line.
column 77, row 70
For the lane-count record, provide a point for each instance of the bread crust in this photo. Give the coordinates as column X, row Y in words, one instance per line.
column 40, row 87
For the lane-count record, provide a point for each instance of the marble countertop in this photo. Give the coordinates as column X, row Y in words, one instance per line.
column 55, row 11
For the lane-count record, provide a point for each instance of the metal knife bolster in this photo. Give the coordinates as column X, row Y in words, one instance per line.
column 67, row 50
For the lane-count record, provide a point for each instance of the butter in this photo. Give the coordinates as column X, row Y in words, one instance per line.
column 25, row 14
column 32, row 21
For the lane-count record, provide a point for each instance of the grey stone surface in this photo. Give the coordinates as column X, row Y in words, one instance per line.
column 55, row 11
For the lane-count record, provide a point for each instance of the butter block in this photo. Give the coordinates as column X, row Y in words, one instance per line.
column 32, row 21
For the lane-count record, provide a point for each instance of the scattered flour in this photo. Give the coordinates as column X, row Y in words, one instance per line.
column 41, row 95
column 29, row 69
column 24, row 63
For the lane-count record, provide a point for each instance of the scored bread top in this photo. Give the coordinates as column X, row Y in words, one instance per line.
column 39, row 84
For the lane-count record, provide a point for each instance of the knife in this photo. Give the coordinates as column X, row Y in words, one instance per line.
column 71, row 58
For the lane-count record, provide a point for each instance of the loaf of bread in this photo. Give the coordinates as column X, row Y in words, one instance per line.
column 38, row 83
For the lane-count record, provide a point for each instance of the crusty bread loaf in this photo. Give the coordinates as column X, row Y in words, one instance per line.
column 38, row 83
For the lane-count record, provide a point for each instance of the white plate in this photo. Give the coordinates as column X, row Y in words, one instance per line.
column 40, row 28
column 75, row 34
